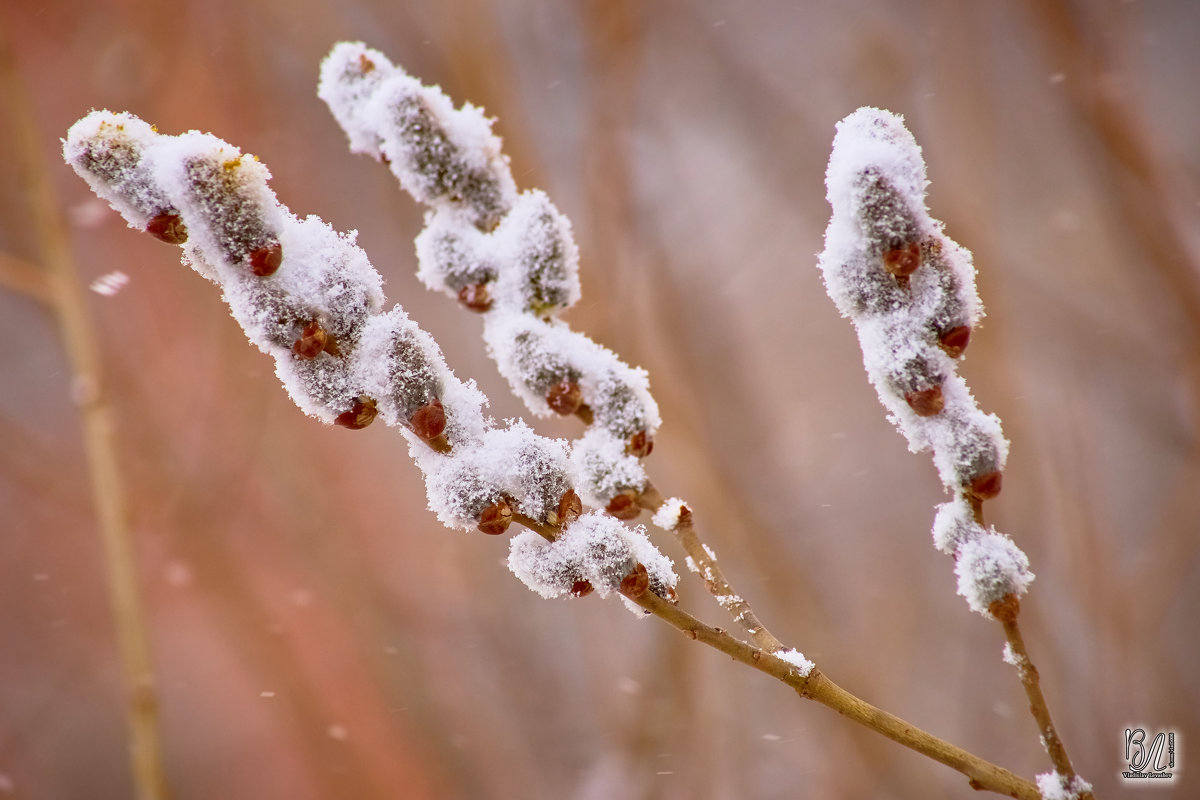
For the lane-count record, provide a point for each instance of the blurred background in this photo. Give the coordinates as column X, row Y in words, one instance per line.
column 315, row 633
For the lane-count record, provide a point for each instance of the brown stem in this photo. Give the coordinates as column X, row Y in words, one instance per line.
column 25, row 278
column 547, row 532
column 1007, row 610
column 816, row 686
column 709, row 569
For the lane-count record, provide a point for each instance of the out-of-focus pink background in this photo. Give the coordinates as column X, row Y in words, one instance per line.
column 316, row 634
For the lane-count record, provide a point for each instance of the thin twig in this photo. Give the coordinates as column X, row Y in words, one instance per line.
column 108, row 490
column 816, row 686
column 1007, row 611
column 704, row 562
column 20, row 276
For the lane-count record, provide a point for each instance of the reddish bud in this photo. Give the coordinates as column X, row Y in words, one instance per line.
column 429, row 420
column 167, row 228
column 265, row 260
column 360, row 415
column 569, row 508
column 640, row 445
column 496, row 518
column 313, row 340
column 955, row 340
column 475, row 297
column 564, row 398
column 624, row 505
column 581, row 588
column 903, row 261
column 926, row 402
column 986, row 486
column 636, row 583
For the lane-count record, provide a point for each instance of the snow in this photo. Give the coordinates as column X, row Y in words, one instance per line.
column 1055, row 786
column 989, row 568
column 953, row 525
column 602, row 469
column 107, row 150
column 1015, row 659
column 109, row 284
column 530, row 471
column 530, row 262
column 796, row 659
column 668, row 514
column 596, row 548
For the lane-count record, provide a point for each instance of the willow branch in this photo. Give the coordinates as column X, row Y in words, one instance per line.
column 816, row 686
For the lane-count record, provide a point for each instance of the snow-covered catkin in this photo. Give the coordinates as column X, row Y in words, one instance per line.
column 309, row 297
column 303, row 293
column 509, row 256
column 910, row 292
column 108, row 151
column 444, row 158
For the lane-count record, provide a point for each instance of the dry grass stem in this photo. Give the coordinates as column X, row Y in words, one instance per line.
column 62, row 291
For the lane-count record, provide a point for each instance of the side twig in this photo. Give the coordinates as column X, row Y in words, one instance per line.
column 816, row 686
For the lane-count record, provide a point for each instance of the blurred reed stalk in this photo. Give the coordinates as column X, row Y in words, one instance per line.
column 56, row 283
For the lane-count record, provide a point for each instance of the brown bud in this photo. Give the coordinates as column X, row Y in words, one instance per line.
column 926, row 402
column 569, row 508
column 360, row 415
column 635, row 583
column 624, row 505
column 640, row 445
column 902, row 261
column 495, row 518
column 365, row 64
column 312, row 341
column 581, row 588
column 429, row 420
column 985, row 486
column 265, row 260
column 167, row 228
column 476, row 297
column 955, row 340
column 564, row 398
